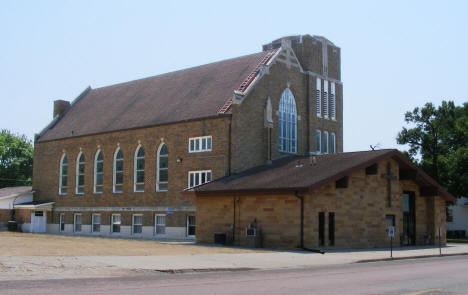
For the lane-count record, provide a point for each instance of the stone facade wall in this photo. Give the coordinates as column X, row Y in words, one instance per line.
column 360, row 211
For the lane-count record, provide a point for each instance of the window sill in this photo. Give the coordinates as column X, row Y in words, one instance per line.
column 117, row 193
column 162, row 191
column 98, row 193
column 80, row 194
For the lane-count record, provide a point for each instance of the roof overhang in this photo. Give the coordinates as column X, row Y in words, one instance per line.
column 16, row 195
column 42, row 206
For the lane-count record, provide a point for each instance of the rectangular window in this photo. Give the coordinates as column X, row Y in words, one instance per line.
column 118, row 176
column 115, row 223
column 321, row 220
column 325, row 142
column 62, row 222
column 333, row 143
column 333, row 102
column 96, row 221
column 77, row 222
column 325, row 99
column 389, row 220
column 80, row 175
column 198, row 177
column 331, row 229
column 190, row 226
column 137, row 224
column 319, row 141
column 160, row 225
column 318, row 97
column 200, row 144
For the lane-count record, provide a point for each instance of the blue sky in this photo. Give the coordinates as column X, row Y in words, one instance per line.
column 396, row 55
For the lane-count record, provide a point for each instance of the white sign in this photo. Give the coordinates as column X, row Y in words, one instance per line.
column 391, row 231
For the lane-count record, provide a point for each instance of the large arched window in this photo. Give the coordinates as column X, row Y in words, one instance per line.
column 139, row 173
column 63, row 180
column 118, row 171
column 287, row 129
column 80, row 173
column 162, row 176
column 98, row 172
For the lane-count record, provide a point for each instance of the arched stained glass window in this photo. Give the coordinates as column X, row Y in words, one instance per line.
column 139, row 172
column 162, row 174
column 63, row 181
column 80, row 173
column 118, row 171
column 287, row 129
column 98, row 172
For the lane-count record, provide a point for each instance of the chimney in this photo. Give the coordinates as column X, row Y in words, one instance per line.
column 60, row 106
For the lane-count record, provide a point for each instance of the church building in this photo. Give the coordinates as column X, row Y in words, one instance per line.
column 224, row 148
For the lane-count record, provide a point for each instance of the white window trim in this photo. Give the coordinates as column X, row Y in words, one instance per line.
column 92, row 223
column 200, row 150
column 135, row 171
column 155, row 224
column 333, row 104
column 114, row 172
column 74, row 222
column 318, row 98
column 326, row 108
column 199, row 172
column 333, row 135
column 158, row 168
column 133, row 224
column 61, row 220
column 326, row 142
column 61, row 175
column 187, row 227
column 318, row 134
column 288, row 137
column 112, row 224
column 95, row 171
column 77, row 186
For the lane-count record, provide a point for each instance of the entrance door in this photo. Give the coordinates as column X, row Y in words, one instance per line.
column 38, row 221
column 409, row 219
column 190, row 226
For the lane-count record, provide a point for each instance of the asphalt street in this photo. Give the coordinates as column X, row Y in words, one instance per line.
column 440, row 275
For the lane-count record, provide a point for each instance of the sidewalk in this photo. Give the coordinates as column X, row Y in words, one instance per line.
column 269, row 260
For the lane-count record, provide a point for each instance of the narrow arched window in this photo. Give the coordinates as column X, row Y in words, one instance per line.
column 98, row 172
column 63, row 180
column 139, row 172
column 162, row 175
column 118, row 171
column 80, row 173
column 287, row 128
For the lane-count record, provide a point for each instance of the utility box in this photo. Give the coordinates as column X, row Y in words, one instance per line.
column 253, row 238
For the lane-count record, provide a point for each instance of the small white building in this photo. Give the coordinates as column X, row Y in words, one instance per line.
column 457, row 216
column 11, row 196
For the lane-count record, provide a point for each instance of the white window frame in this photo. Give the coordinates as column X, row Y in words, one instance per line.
column 75, row 223
column 199, row 141
column 96, row 186
column 333, row 101
column 112, row 224
column 333, row 142
column 158, row 169
column 318, row 140
column 133, row 224
column 199, row 174
column 325, row 99
column 187, row 226
column 114, row 172
column 135, row 170
column 318, row 98
column 287, row 142
column 156, row 225
column 61, row 175
column 79, row 189
column 325, row 142
column 93, row 219
column 61, row 221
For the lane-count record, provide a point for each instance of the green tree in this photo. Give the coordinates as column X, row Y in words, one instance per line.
column 16, row 158
column 438, row 142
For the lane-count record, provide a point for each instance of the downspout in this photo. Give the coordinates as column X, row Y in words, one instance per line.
column 308, row 113
column 301, row 198
column 234, row 221
column 229, row 147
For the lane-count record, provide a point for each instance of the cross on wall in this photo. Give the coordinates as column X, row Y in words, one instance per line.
column 389, row 176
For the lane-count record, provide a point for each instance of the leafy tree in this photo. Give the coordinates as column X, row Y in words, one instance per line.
column 438, row 142
column 16, row 158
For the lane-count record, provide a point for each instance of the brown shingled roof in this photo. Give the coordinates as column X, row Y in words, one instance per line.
column 188, row 94
column 297, row 173
column 14, row 190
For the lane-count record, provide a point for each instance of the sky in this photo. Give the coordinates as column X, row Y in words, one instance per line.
column 396, row 55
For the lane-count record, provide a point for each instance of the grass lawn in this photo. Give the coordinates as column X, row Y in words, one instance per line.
column 27, row 244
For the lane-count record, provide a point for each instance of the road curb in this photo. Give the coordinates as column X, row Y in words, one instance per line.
column 410, row 257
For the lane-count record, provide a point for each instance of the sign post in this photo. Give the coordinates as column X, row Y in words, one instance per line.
column 440, row 245
column 391, row 234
